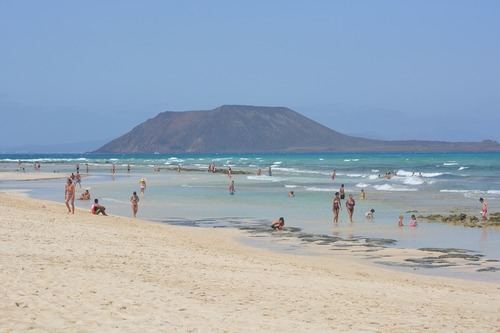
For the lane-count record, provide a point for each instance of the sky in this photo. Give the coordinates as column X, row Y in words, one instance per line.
column 89, row 71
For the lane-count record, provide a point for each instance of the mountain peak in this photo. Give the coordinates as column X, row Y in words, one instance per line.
column 249, row 128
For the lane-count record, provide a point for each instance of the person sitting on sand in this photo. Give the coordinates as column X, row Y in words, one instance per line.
column 85, row 195
column 349, row 204
column 362, row 194
column 484, row 208
column 370, row 214
column 279, row 224
column 291, row 194
column 97, row 209
column 400, row 221
column 413, row 221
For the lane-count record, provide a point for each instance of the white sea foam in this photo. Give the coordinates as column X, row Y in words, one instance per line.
column 412, row 180
column 424, row 174
column 373, row 177
column 362, row 185
column 291, row 186
column 455, row 191
column 388, row 187
column 320, row 189
column 450, row 163
column 265, row 178
column 321, row 159
column 493, row 192
column 462, row 168
column 375, row 170
column 356, row 175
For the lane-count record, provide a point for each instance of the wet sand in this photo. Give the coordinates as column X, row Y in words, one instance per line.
column 81, row 272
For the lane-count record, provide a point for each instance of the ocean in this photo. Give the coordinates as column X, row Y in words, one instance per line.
column 425, row 183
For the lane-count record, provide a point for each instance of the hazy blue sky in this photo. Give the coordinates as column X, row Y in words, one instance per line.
column 90, row 70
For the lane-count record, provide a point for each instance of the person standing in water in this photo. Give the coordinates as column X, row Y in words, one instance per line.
column 69, row 195
column 484, row 208
column 336, row 207
column 113, row 169
column 128, row 168
column 342, row 192
column 134, row 201
column 362, row 194
column 334, row 174
column 231, row 187
column 349, row 204
column 269, row 172
column 142, row 185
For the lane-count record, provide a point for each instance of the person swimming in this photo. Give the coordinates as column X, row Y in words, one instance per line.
column 279, row 224
column 370, row 214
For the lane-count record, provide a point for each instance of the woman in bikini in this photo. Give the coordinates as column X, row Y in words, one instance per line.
column 69, row 195
column 484, row 208
column 336, row 207
column 134, row 201
column 142, row 185
column 349, row 204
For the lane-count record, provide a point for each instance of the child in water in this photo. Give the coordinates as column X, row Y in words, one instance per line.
column 278, row 225
column 400, row 221
column 370, row 214
column 413, row 221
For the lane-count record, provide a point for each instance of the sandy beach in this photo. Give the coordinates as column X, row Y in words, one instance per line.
column 84, row 273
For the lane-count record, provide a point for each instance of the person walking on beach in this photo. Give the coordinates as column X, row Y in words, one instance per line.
column 78, row 179
column 336, row 207
column 342, row 192
column 86, row 168
column 134, row 201
column 69, row 195
column 349, row 204
column 231, row 187
column 334, row 174
column 229, row 172
column 142, row 185
column 113, row 169
column 484, row 208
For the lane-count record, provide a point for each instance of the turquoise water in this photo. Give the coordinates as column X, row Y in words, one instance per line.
column 427, row 183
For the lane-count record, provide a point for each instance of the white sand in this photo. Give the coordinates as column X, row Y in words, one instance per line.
column 26, row 176
column 81, row 273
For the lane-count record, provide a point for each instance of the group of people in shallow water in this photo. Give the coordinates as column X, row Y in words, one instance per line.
column 279, row 224
column 96, row 208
